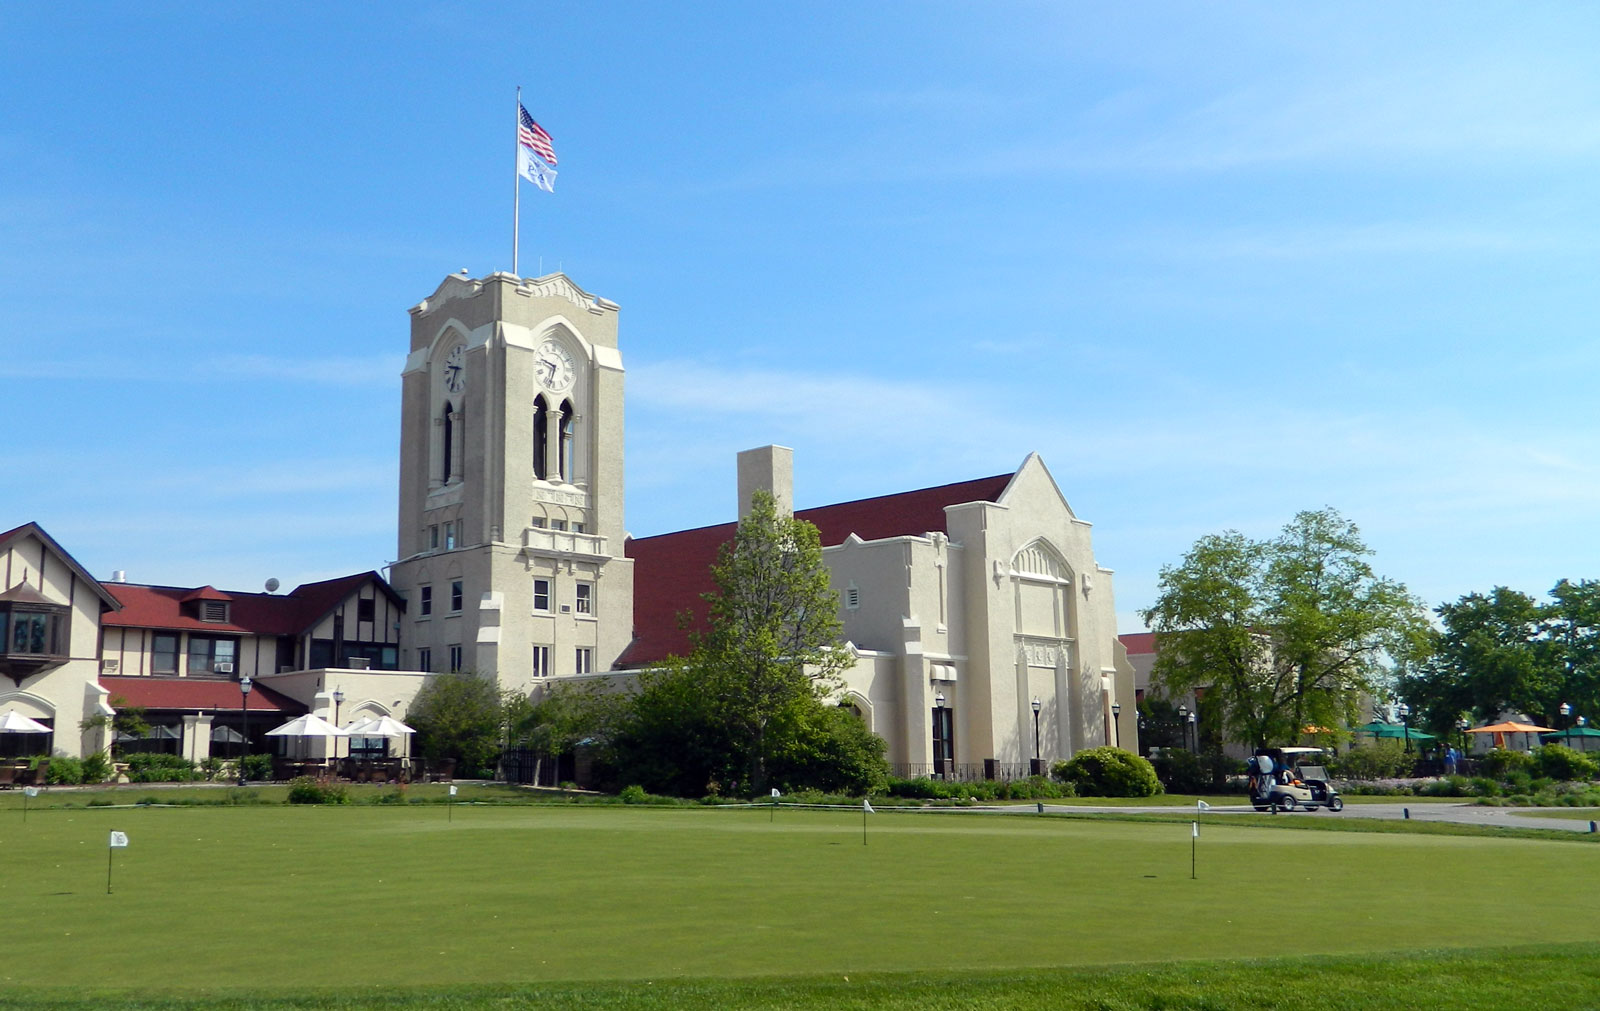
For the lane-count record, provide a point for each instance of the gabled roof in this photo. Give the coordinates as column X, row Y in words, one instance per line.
column 250, row 613
column 72, row 563
column 198, row 693
column 672, row 571
column 1138, row 643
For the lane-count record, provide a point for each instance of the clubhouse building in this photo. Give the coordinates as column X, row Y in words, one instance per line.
column 981, row 628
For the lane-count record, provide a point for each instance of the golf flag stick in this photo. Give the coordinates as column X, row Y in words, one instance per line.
column 450, row 804
column 28, row 793
column 866, row 809
column 773, row 816
column 118, row 841
column 1194, row 839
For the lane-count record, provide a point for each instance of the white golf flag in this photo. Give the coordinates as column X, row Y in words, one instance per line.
column 1194, row 827
column 866, row 805
column 1203, row 805
column 119, row 840
column 774, row 793
column 452, row 790
column 30, row 791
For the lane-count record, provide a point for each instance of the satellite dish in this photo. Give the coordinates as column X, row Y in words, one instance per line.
column 272, row 585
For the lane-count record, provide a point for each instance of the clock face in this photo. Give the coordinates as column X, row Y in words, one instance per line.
column 554, row 366
column 455, row 369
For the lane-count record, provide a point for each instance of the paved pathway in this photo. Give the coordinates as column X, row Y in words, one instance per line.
column 1461, row 814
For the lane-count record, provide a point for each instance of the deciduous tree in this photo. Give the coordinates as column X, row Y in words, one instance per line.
column 1283, row 633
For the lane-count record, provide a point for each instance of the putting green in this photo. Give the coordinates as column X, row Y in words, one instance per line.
column 254, row 897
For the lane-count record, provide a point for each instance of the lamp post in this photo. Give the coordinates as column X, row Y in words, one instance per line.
column 1194, row 731
column 1116, row 711
column 338, row 700
column 938, row 734
column 1462, row 725
column 244, row 704
column 1565, row 709
column 1036, row 707
column 1405, row 722
column 1183, row 725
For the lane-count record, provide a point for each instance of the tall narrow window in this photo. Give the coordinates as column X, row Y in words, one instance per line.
column 455, row 595
column 425, row 659
column 566, row 440
column 164, row 654
column 583, row 661
column 944, row 741
column 583, row 603
column 449, row 439
column 541, row 594
column 455, row 658
column 541, row 436
column 424, row 600
column 541, row 661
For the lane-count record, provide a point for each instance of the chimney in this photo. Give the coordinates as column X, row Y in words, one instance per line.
column 769, row 469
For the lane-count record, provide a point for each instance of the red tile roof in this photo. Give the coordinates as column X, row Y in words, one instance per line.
column 671, row 571
column 1138, row 643
column 196, row 693
column 251, row 613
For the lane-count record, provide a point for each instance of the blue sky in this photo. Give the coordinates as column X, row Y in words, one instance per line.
column 1216, row 263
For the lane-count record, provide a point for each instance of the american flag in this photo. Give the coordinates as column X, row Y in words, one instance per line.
column 532, row 136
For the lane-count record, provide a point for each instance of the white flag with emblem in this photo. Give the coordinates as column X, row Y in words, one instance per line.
column 1203, row 805
column 452, row 791
column 119, row 840
column 774, row 793
column 866, row 805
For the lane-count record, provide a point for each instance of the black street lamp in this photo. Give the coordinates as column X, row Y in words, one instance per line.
column 1565, row 709
column 1036, row 707
column 1405, row 722
column 1116, row 711
column 1462, row 725
column 244, row 704
column 1183, row 725
column 1194, row 732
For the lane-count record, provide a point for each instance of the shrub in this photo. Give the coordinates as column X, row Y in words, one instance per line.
column 96, row 767
column 1501, row 763
column 1553, row 761
column 154, row 767
column 1382, row 759
column 1034, row 788
column 1449, row 786
column 211, row 766
column 258, row 767
column 65, row 771
column 633, row 794
column 1108, row 772
column 306, row 790
column 1180, row 771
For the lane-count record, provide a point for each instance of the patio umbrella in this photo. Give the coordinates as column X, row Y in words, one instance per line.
column 380, row 726
column 15, row 723
column 227, row 735
column 1500, row 730
column 155, row 733
column 309, row 725
column 1583, row 735
column 1377, row 729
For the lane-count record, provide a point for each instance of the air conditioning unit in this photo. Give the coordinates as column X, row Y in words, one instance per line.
column 108, row 666
column 566, row 608
column 223, row 668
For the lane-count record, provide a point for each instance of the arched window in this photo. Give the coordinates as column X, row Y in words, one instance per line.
column 541, row 435
column 566, row 440
column 449, row 439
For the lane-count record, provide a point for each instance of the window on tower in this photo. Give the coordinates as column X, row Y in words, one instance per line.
column 567, row 415
column 449, row 440
column 541, row 435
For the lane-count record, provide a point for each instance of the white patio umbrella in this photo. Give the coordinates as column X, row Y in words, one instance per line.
column 379, row 726
column 15, row 723
column 309, row 725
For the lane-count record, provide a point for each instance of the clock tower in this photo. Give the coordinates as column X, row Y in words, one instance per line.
column 511, row 524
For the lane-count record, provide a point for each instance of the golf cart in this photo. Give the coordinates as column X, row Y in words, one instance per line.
column 1280, row 781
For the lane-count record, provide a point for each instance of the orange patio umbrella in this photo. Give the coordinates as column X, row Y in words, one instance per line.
column 1500, row 730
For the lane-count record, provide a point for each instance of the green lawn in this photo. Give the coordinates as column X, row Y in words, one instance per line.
column 261, row 898
column 1580, row 813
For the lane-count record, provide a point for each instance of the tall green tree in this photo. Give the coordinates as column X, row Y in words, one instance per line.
column 1504, row 651
column 461, row 716
column 1283, row 633
column 747, row 698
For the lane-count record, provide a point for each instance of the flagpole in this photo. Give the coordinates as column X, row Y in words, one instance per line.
column 516, row 181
